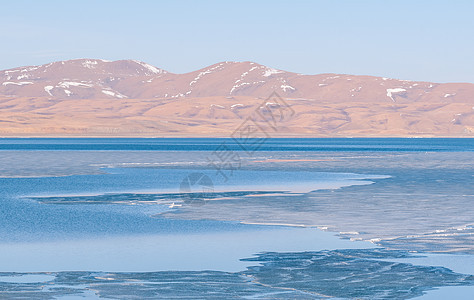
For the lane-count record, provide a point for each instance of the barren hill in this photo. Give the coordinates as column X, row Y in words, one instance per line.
column 91, row 97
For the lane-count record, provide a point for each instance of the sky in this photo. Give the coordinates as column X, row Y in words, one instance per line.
column 412, row 40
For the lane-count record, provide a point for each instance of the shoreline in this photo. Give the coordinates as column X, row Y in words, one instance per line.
column 228, row 136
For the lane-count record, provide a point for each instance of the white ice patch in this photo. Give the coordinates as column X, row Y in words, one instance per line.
column 390, row 92
column 48, row 89
column 270, row 71
column 449, row 95
column 236, row 105
column 322, row 84
column 68, row 92
column 67, row 84
column 17, row 83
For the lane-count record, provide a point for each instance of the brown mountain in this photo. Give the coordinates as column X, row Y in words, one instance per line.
column 91, row 97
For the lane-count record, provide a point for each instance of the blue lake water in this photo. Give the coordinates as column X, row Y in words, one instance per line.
column 132, row 205
column 271, row 144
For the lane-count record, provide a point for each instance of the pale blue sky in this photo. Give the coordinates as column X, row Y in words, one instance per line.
column 414, row 40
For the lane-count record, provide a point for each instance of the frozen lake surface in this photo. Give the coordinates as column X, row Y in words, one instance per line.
column 298, row 218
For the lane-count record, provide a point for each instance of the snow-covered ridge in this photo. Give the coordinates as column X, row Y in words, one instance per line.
column 150, row 68
column 270, row 71
column 90, row 64
column 94, row 78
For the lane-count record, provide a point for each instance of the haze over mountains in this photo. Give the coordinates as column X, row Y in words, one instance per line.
column 92, row 97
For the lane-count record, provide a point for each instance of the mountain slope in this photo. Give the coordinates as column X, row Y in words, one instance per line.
column 127, row 97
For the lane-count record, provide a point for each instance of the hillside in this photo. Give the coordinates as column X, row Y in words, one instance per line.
column 91, row 97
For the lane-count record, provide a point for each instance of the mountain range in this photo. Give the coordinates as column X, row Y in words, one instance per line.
column 93, row 97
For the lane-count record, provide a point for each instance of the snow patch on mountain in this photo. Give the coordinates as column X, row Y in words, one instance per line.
column 208, row 71
column 17, row 83
column 272, row 104
column 67, row 84
column 390, row 92
column 285, row 87
column 23, row 76
column 252, row 69
column 90, row 64
column 270, row 71
column 239, row 82
column 150, row 68
column 113, row 94
column 236, row 86
column 48, row 89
